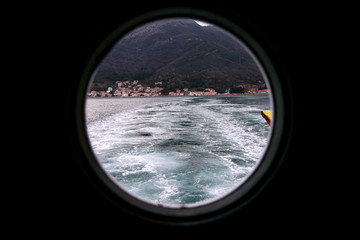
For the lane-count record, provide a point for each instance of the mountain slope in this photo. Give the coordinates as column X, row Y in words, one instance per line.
column 180, row 53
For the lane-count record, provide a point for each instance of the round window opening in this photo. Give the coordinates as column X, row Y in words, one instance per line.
column 178, row 114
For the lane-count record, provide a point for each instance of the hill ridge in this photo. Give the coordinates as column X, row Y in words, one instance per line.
column 179, row 53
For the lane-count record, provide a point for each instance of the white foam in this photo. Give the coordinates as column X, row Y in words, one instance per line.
column 133, row 146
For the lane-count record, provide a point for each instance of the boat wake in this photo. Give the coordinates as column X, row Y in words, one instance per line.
column 178, row 151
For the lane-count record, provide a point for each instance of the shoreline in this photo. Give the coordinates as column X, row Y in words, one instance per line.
column 232, row 94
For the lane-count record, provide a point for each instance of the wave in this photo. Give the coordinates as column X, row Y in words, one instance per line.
column 182, row 150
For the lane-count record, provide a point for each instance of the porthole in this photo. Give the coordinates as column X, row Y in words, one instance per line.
column 180, row 115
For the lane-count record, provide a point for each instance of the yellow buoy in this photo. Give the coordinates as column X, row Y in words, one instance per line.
column 267, row 115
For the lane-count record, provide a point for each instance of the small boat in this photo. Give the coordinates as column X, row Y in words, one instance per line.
column 267, row 115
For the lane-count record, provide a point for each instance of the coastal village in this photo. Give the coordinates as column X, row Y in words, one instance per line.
column 135, row 89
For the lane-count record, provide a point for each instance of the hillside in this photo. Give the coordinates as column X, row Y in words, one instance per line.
column 180, row 53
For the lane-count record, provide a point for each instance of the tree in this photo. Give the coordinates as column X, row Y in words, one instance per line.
column 237, row 90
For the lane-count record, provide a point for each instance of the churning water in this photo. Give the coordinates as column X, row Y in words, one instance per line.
column 178, row 150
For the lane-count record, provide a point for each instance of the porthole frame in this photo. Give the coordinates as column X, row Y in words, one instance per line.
column 272, row 158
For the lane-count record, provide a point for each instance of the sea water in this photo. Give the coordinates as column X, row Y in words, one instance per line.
column 178, row 150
